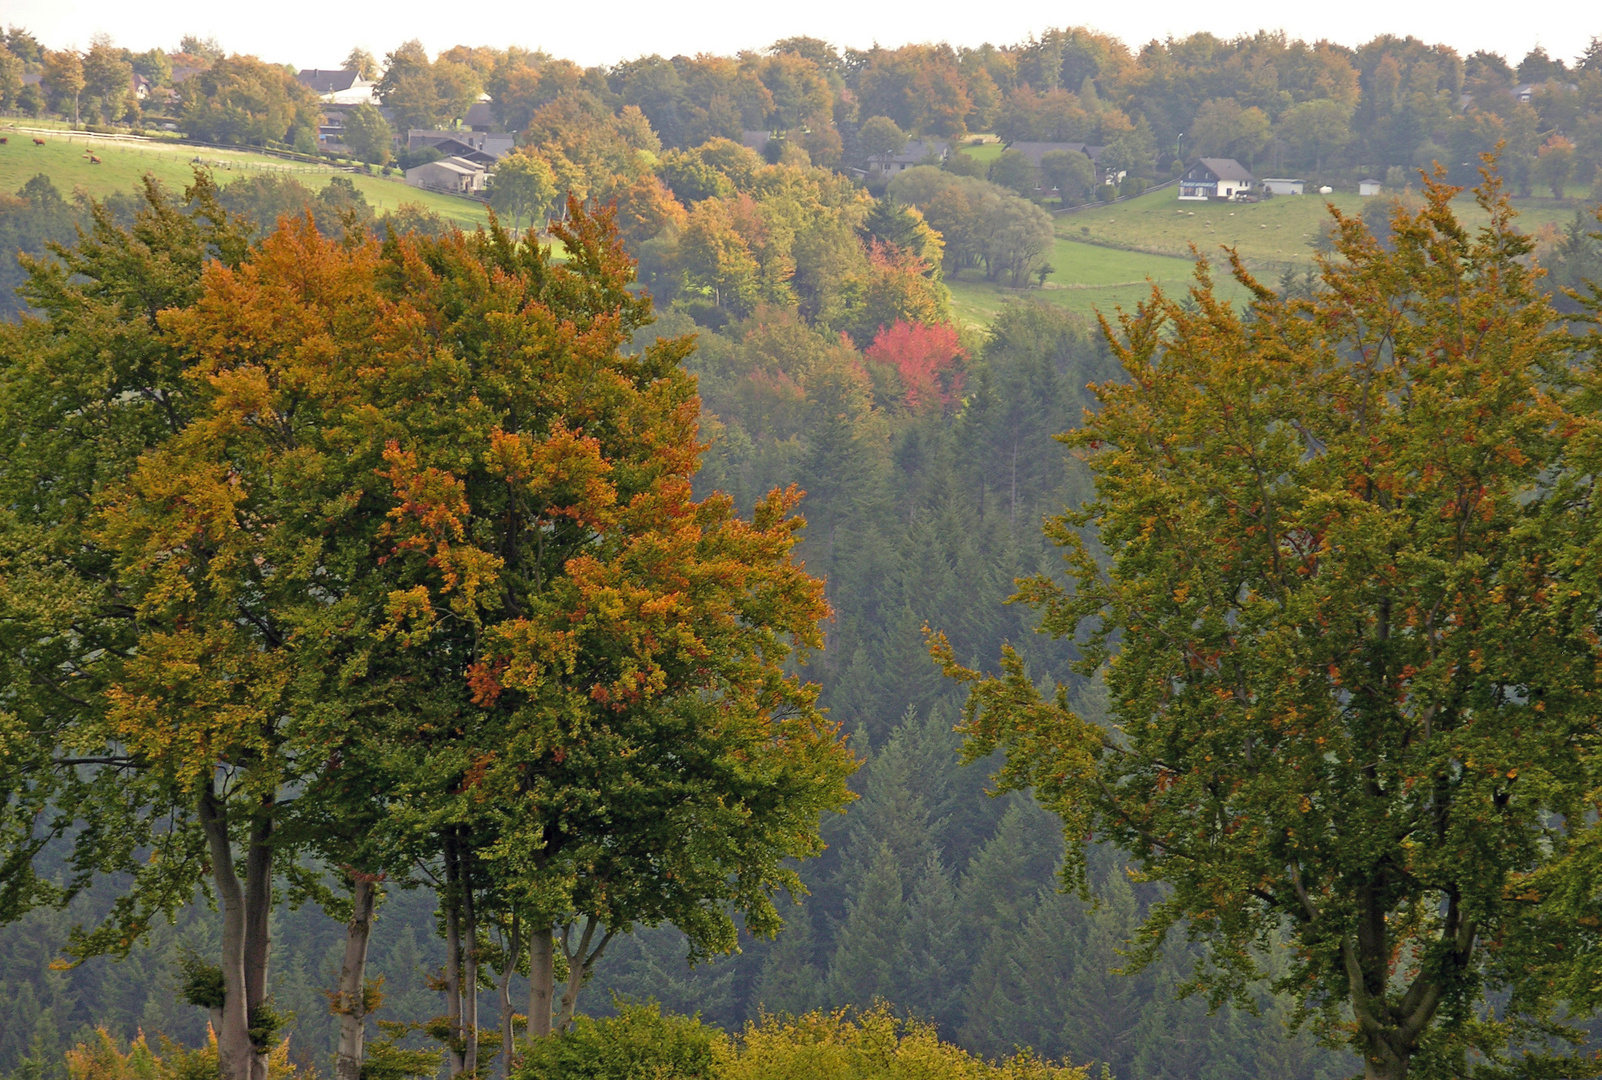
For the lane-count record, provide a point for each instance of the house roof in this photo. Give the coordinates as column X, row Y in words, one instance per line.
column 328, row 82
column 481, row 146
column 1227, row 169
column 451, row 164
column 1034, row 151
column 915, row 151
column 481, row 117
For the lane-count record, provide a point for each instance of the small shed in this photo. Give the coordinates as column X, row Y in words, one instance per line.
column 1369, row 187
column 453, row 174
column 1282, row 186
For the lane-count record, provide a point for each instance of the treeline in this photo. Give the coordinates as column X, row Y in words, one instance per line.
column 39, row 215
column 1277, row 104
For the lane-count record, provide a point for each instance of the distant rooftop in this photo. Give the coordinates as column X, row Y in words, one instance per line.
column 328, row 82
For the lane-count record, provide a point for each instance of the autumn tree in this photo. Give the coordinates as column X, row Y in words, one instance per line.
column 523, row 186
column 928, row 359
column 423, row 94
column 240, row 99
column 368, row 134
column 362, row 63
column 485, row 601
column 108, row 79
column 1554, row 165
column 1070, row 173
column 881, row 138
column 63, row 73
column 1346, row 627
column 117, row 387
column 1013, row 171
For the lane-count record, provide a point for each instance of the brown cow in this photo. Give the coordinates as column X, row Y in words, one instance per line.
column 38, row 141
column 93, row 160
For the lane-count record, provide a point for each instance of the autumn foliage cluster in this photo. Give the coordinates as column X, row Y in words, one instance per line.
column 404, row 572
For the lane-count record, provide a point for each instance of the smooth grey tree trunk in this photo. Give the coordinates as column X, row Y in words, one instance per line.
column 234, row 1052
column 580, row 962
column 541, row 981
column 352, row 1001
column 258, row 914
column 514, row 946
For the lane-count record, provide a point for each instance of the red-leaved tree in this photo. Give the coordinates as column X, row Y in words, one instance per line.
column 929, row 359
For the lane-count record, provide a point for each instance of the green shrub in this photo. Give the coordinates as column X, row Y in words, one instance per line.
column 873, row 1045
column 638, row 1044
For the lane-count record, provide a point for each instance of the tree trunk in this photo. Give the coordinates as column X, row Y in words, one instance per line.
column 1382, row 1062
column 352, row 1001
column 508, row 963
column 258, row 913
column 234, row 1051
column 453, row 955
column 541, row 981
column 469, row 968
column 579, row 964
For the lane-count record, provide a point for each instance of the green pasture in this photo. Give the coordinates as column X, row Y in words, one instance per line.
column 1086, row 278
column 987, row 153
column 65, row 159
column 1269, row 234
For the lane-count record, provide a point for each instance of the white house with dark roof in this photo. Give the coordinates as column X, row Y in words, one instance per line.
column 916, row 152
column 1216, row 178
column 340, row 86
column 339, row 90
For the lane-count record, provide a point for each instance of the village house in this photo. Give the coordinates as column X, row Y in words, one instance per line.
column 916, row 152
column 486, row 147
column 339, row 90
column 456, row 175
column 1216, row 178
column 1036, row 151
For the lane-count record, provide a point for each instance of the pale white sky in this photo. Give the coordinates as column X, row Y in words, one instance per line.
column 318, row 33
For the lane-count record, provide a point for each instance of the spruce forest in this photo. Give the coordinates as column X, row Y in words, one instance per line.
column 709, row 602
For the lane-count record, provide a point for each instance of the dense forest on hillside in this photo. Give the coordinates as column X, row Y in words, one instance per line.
column 825, row 356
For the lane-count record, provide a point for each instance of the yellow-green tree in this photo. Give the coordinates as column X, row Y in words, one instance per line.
column 523, row 185
column 1347, row 623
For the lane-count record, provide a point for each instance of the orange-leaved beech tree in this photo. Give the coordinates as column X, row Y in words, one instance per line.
column 432, row 554
column 1347, row 618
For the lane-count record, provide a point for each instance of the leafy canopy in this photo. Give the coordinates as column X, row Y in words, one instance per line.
column 1347, row 619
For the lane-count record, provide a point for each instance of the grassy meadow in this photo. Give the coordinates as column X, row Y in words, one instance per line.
column 1108, row 255
column 1086, row 278
column 1269, row 234
column 65, row 159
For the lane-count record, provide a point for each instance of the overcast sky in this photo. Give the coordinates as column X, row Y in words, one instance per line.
column 321, row 33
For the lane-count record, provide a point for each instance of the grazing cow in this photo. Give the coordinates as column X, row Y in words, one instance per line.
column 2, row 140
column 93, row 160
column 38, row 141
